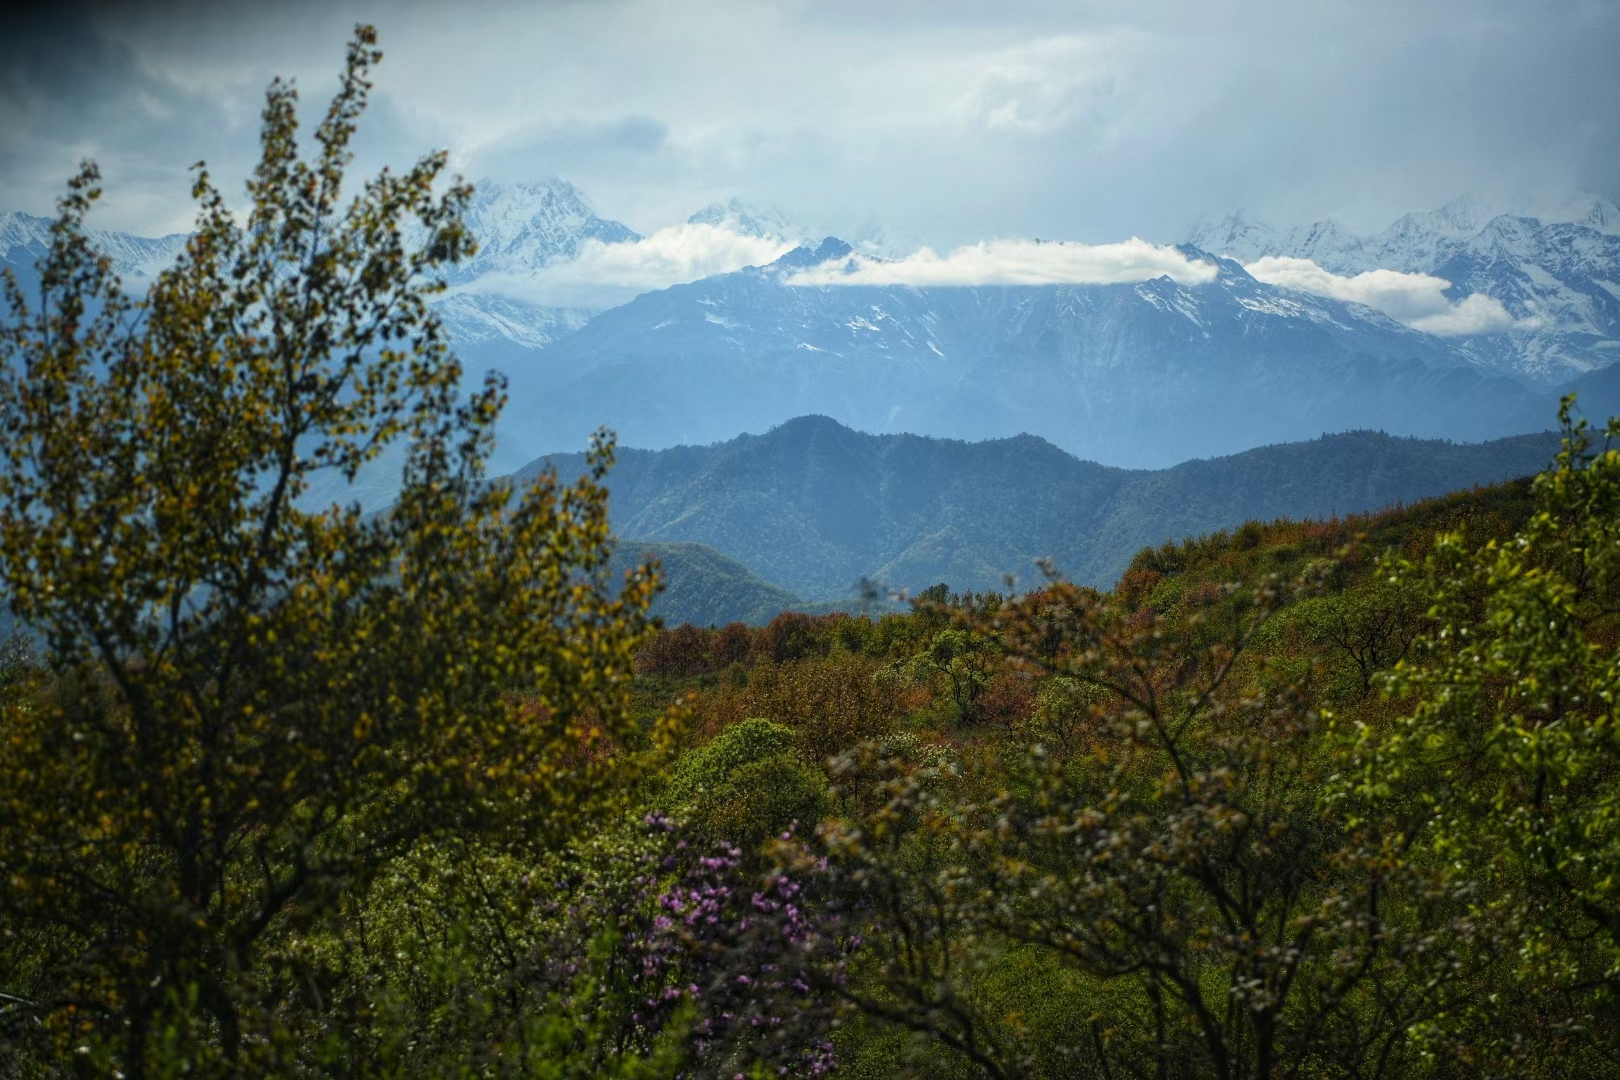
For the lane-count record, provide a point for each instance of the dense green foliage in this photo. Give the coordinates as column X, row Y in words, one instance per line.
column 252, row 709
column 746, row 786
column 290, row 790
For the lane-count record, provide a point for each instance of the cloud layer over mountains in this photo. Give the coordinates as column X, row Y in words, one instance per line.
column 1418, row 300
column 723, row 238
column 1016, row 262
column 603, row 274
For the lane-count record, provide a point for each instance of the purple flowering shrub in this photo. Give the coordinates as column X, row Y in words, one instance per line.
column 666, row 936
column 738, row 946
column 688, row 940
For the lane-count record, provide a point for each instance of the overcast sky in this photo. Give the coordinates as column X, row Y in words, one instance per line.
column 945, row 120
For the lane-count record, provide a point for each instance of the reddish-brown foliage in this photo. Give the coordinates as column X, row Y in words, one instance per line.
column 794, row 636
column 732, row 644
column 832, row 703
column 1006, row 700
column 680, row 653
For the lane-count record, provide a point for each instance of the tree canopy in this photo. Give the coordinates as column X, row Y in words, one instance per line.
column 258, row 703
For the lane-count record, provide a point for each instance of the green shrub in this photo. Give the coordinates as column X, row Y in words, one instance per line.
column 747, row 785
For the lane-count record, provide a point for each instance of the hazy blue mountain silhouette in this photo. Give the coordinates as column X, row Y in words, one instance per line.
column 813, row 506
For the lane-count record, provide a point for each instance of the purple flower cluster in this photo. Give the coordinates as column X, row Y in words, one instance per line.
column 742, row 950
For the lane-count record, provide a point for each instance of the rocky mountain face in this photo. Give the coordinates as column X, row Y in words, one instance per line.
column 1559, row 279
column 477, row 320
column 1144, row 374
column 521, row 229
column 815, row 507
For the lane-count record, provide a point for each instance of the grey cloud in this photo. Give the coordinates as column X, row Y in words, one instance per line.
column 70, row 93
column 950, row 119
column 571, row 148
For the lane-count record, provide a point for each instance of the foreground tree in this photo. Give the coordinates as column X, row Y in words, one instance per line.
column 1510, row 746
column 255, row 704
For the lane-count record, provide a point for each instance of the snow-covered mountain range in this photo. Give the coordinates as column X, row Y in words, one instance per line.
column 1559, row 280
column 533, row 236
column 136, row 259
column 1140, row 373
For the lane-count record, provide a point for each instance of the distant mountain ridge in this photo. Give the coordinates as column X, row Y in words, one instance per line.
column 814, row 507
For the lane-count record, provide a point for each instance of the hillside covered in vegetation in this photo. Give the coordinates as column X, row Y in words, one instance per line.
column 705, row 587
column 815, row 508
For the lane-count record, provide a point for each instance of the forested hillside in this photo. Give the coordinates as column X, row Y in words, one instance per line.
column 703, row 586
column 815, row 507
column 1072, row 828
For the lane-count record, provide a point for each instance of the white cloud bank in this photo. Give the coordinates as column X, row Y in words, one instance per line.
column 1015, row 262
column 1418, row 300
column 602, row 274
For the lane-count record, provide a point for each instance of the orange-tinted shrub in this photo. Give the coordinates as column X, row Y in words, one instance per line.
column 830, row 703
column 1007, row 700
column 679, row 653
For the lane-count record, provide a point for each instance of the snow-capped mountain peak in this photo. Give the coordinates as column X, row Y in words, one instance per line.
column 1238, row 235
column 871, row 238
column 747, row 219
column 1462, row 216
column 1600, row 214
column 523, row 227
column 880, row 241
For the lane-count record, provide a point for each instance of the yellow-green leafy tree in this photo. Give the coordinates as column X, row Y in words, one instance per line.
column 1511, row 750
column 253, row 703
